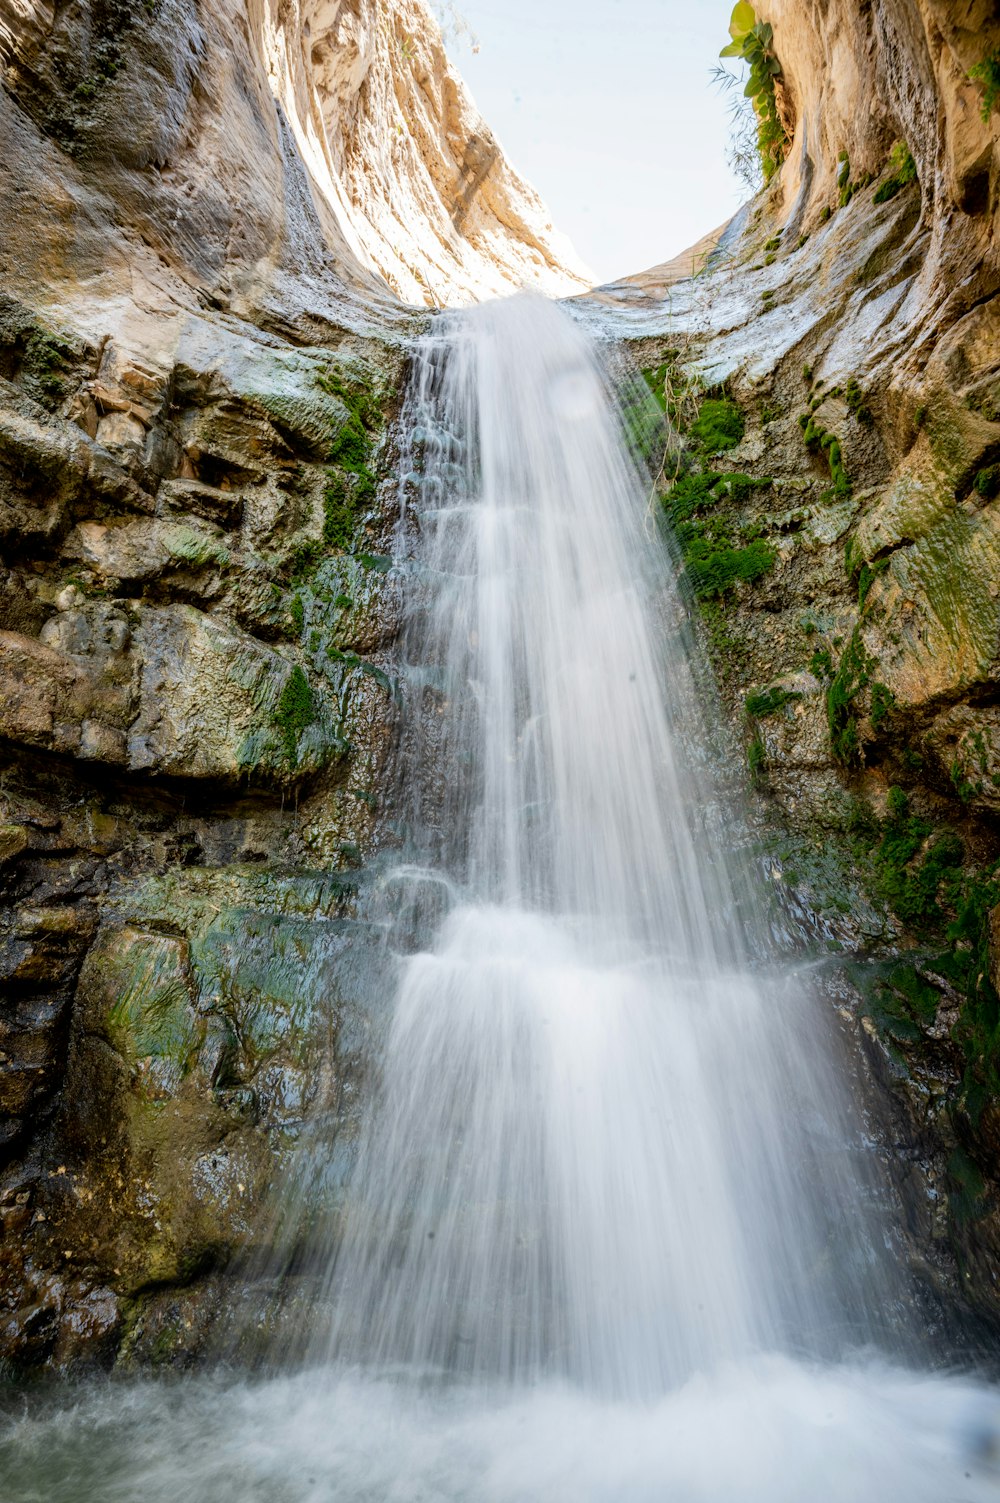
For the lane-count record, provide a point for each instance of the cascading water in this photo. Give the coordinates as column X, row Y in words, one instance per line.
column 600, row 1151
column 611, row 1233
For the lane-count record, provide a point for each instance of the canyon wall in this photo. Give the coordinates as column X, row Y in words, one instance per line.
column 834, row 367
column 216, row 219
column 227, row 222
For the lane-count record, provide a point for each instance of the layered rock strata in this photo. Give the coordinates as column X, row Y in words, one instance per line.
column 834, row 368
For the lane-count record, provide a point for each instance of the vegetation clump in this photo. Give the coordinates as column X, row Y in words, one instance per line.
column 718, row 426
column 987, row 74
column 903, row 172
column 294, row 712
column 852, row 677
column 987, row 482
column 764, row 702
column 857, row 403
column 818, row 439
column 351, row 482
column 753, row 42
column 716, row 556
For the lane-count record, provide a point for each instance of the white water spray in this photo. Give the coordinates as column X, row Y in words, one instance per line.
column 600, row 1151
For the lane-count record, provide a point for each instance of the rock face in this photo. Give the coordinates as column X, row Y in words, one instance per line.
column 835, row 374
column 323, row 136
column 202, row 350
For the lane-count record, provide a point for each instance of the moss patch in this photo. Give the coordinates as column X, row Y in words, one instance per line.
column 352, row 481
column 718, row 426
column 902, row 172
column 716, row 555
column 294, row 712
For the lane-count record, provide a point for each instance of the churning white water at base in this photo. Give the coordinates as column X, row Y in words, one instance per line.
column 768, row 1431
column 614, row 1233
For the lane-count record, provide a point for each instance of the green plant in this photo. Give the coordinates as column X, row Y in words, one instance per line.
column 753, row 42
column 46, row 360
column 825, row 214
column 987, row 482
column 987, row 73
column 857, row 403
column 821, row 663
column 352, row 482
column 757, row 758
column 851, row 679
column 845, row 188
column 912, row 887
column 764, row 702
column 714, row 558
column 294, row 711
column 903, row 172
column 819, row 440
column 767, row 294
column 883, row 701
column 867, row 575
column 718, row 426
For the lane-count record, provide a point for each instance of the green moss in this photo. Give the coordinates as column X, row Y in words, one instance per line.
column 845, row 188
column 294, row 712
column 826, row 214
column 857, row 403
column 987, row 75
column 821, row 663
column 883, row 701
column 902, row 1004
column 764, row 702
column 850, row 680
column 713, row 570
column 718, row 426
column 352, row 482
column 912, row 867
column 715, row 555
column 819, row 440
column 46, row 362
column 903, row 171
column 867, row 575
column 297, row 611
column 757, row 758
column 987, row 482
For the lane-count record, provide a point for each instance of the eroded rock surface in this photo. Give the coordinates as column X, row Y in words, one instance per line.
column 835, row 373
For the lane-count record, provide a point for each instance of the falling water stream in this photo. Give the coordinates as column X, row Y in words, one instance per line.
column 614, row 1232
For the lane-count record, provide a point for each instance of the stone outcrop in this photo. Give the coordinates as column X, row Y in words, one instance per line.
column 839, row 531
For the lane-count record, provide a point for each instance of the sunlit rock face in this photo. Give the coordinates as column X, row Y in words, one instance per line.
column 222, row 224
column 333, row 134
column 860, row 669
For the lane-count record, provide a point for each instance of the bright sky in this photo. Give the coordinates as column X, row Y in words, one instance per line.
column 607, row 108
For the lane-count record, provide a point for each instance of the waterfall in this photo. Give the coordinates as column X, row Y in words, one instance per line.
column 614, row 1232
column 603, row 1148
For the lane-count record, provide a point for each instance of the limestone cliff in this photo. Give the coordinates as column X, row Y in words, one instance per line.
column 834, row 365
column 223, row 214
column 215, row 216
